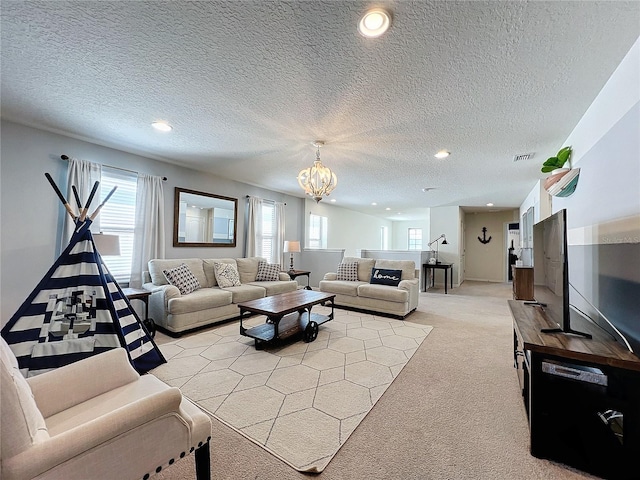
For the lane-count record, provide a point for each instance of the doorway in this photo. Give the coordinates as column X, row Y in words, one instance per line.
column 512, row 235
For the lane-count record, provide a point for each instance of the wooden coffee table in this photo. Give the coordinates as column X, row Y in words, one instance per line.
column 287, row 314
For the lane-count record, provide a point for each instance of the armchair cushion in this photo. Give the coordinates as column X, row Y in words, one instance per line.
column 22, row 423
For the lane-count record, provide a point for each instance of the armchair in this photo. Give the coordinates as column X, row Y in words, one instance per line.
column 96, row 418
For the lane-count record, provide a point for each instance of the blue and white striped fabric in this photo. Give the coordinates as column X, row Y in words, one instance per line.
column 77, row 310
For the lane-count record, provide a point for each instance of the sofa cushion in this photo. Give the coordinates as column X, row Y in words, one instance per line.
column 22, row 422
column 274, row 288
column 364, row 267
column 348, row 272
column 381, row 276
column 157, row 265
column 201, row 299
column 226, row 275
column 209, row 270
column 340, row 287
column 383, row 292
column 268, row 272
column 182, row 278
column 408, row 267
column 248, row 268
column 246, row 292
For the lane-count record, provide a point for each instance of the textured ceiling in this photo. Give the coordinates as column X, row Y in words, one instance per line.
column 248, row 85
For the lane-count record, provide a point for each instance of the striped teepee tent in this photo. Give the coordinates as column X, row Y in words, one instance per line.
column 78, row 310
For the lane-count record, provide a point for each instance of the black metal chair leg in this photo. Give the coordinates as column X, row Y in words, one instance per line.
column 203, row 462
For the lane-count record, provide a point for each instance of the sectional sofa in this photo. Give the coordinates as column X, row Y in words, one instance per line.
column 175, row 312
column 390, row 287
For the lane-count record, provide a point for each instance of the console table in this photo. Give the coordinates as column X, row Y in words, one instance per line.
column 582, row 396
column 441, row 266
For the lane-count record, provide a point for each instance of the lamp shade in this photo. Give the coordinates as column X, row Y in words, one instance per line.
column 107, row 244
column 291, row 246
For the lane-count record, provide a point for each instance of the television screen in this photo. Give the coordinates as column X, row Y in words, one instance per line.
column 550, row 272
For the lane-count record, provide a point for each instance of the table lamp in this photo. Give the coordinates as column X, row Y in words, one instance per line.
column 444, row 242
column 291, row 247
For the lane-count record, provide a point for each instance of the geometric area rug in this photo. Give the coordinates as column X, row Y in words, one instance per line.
column 299, row 401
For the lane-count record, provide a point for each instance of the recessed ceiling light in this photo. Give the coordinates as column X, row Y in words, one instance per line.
column 387, row 209
column 442, row 154
column 428, row 189
column 374, row 203
column 374, row 23
column 162, row 126
column 489, row 204
column 333, row 200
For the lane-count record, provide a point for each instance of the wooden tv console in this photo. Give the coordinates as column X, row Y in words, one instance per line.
column 582, row 396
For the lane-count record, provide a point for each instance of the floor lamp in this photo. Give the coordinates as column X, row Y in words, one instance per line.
column 444, row 242
column 291, row 247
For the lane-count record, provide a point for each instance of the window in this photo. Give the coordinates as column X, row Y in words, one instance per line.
column 266, row 241
column 117, row 217
column 384, row 238
column 415, row 239
column 317, row 231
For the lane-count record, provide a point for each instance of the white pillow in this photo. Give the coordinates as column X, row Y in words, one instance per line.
column 226, row 275
column 182, row 278
column 268, row 272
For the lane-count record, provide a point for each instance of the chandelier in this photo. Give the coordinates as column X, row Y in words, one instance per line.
column 317, row 181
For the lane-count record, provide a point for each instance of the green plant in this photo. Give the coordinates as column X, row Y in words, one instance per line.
column 558, row 161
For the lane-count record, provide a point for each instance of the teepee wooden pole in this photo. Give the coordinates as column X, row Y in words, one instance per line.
column 61, row 197
column 75, row 194
column 106, row 199
column 83, row 215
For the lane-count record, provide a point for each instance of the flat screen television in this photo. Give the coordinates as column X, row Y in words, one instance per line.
column 551, row 272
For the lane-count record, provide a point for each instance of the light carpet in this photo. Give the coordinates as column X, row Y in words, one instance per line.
column 299, row 401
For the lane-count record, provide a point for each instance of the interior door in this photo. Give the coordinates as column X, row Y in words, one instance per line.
column 462, row 250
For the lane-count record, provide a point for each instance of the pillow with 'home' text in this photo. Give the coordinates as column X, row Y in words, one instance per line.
column 382, row 276
column 348, row 272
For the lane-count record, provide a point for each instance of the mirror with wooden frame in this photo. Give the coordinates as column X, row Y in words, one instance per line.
column 203, row 219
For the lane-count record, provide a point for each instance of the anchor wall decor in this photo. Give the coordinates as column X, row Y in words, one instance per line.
column 484, row 238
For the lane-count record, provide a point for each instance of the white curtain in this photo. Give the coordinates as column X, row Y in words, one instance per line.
column 256, row 241
column 149, row 230
column 82, row 174
column 254, row 226
column 279, row 234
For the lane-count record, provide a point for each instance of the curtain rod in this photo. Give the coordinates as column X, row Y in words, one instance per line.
column 247, row 196
column 65, row 157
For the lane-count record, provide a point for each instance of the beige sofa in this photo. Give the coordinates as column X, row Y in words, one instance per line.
column 398, row 301
column 176, row 313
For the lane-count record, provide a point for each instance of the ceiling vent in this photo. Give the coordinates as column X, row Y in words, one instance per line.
column 523, row 156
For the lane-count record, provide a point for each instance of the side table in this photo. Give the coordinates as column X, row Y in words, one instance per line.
column 299, row 273
column 139, row 294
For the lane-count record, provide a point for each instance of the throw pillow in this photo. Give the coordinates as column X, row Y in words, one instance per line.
column 182, row 278
column 348, row 272
column 268, row 272
column 383, row 276
column 226, row 275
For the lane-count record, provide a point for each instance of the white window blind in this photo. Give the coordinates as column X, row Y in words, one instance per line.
column 415, row 239
column 117, row 217
column 317, row 231
column 266, row 241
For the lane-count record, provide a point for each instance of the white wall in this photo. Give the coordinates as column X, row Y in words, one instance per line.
column 348, row 230
column 31, row 213
column 400, row 232
column 447, row 220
